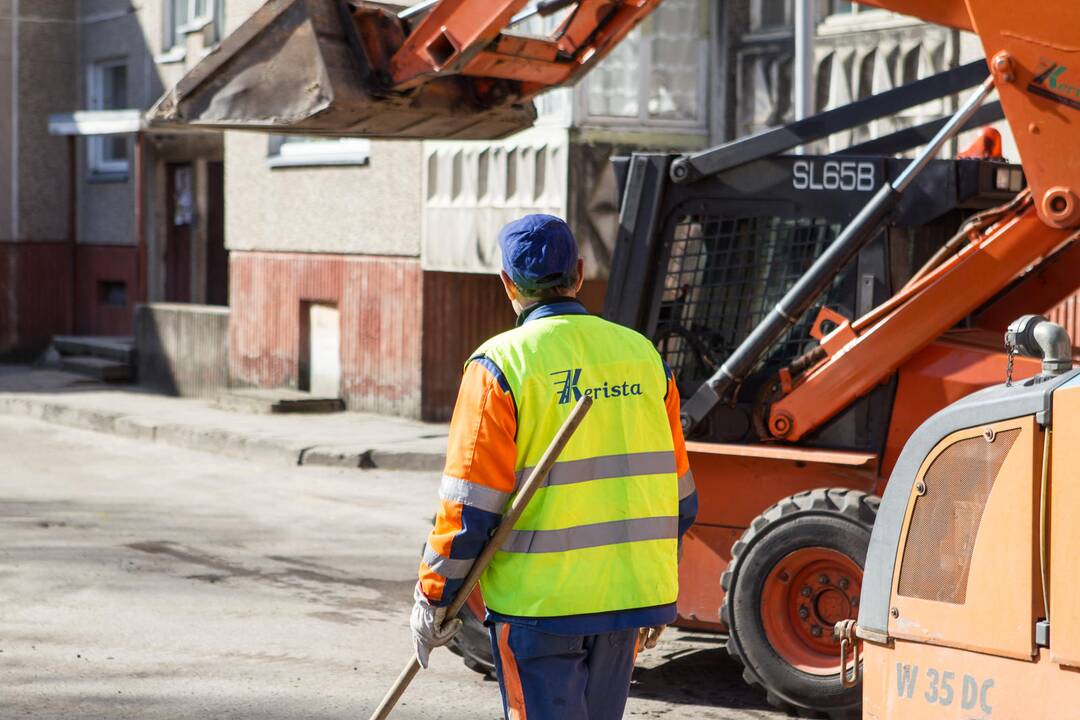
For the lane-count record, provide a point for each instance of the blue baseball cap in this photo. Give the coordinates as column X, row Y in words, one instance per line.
column 538, row 251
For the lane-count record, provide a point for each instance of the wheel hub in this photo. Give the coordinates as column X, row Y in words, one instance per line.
column 805, row 595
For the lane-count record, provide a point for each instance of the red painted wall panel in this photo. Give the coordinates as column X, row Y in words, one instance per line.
column 462, row 310
column 35, row 296
column 405, row 333
column 96, row 266
column 380, row 304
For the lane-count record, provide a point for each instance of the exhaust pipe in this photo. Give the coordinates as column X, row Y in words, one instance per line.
column 1036, row 337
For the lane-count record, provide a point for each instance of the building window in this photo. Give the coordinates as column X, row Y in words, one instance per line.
column 657, row 74
column 108, row 90
column 188, row 16
column 303, row 151
column 771, row 14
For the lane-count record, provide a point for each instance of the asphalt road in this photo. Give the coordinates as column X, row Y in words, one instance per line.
column 140, row 581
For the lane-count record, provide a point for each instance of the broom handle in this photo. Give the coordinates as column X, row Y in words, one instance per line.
column 517, row 507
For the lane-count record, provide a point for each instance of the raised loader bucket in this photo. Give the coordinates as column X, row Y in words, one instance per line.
column 299, row 66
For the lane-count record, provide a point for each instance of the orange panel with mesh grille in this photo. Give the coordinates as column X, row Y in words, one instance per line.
column 946, row 518
column 967, row 570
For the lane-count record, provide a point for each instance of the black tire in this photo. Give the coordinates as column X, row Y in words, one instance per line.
column 473, row 644
column 834, row 518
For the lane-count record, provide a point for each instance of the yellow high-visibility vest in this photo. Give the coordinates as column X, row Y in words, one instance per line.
column 602, row 533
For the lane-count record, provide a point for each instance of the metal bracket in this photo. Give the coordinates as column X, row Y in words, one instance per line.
column 1042, row 633
column 844, row 631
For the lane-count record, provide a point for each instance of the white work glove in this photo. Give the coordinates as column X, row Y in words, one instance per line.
column 428, row 628
column 649, row 636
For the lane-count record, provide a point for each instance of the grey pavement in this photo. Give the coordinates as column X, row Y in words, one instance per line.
column 337, row 439
column 146, row 581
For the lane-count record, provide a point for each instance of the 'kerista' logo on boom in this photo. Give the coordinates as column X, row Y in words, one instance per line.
column 567, row 388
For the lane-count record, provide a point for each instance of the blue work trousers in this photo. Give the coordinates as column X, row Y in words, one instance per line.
column 562, row 677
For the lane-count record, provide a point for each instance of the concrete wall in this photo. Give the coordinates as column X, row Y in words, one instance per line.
column 37, row 75
column 111, row 29
column 372, row 209
column 182, row 349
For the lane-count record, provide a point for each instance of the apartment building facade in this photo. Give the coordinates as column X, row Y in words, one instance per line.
column 97, row 212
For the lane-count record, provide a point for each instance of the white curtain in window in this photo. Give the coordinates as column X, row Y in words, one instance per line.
column 677, row 28
column 614, row 83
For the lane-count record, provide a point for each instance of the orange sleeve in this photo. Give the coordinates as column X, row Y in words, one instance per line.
column 688, row 498
column 674, row 412
column 477, row 481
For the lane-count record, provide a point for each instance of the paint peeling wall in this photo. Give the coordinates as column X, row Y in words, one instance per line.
column 373, row 209
column 380, row 305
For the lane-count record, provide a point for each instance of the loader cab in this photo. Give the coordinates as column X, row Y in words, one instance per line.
column 702, row 263
column 975, row 523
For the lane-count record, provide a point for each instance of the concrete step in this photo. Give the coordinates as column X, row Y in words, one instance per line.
column 116, row 348
column 96, row 367
column 276, row 400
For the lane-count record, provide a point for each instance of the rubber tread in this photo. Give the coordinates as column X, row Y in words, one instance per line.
column 854, row 505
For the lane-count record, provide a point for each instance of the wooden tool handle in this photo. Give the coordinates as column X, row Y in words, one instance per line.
column 517, row 507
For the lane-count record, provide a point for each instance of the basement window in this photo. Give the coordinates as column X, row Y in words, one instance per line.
column 112, row 293
column 300, row 151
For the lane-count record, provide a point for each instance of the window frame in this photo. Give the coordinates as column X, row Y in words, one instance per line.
column 175, row 30
column 346, row 152
column 97, row 162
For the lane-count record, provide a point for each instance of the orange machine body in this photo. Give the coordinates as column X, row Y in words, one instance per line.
column 966, row 589
column 736, row 482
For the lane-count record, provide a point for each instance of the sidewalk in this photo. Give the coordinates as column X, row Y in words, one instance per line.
column 356, row 440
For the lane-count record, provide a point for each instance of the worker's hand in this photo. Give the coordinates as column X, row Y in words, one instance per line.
column 428, row 627
column 649, row 636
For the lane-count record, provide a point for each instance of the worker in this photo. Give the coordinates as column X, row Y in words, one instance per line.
column 591, row 568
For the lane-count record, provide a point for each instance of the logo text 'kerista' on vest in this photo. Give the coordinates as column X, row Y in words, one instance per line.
column 570, row 391
column 602, row 533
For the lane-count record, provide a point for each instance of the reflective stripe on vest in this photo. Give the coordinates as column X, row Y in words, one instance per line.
column 601, row 534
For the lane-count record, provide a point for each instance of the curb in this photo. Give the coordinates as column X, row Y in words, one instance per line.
column 222, row 441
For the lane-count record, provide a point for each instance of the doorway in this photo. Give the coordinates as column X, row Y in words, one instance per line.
column 320, row 361
column 180, row 216
column 217, row 257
